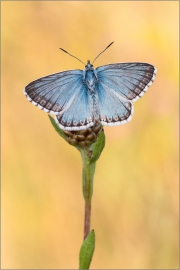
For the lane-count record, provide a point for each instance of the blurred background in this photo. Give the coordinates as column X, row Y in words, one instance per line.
column 135, row 200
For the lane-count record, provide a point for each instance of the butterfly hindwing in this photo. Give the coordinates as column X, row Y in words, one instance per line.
column 53, row 92
column 114, row 109
column 77, row 114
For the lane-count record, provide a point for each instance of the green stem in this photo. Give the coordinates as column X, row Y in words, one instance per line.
column 87, row 219
column 90, row 154
column 88, row 175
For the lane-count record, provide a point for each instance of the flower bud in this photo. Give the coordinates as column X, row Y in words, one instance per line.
column 83, row 137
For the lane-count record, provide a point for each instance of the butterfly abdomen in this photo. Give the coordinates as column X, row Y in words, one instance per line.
column 94, row 105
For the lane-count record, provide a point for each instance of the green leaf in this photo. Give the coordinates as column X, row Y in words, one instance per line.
column 56, row 127
column 86, row 251
column 97, row 148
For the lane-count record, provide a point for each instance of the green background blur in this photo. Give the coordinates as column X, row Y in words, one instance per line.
column 135, row 200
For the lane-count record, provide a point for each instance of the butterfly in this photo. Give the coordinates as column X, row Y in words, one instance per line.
column 80, row 98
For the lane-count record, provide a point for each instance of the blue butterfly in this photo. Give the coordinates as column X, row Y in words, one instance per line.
column 79, row 98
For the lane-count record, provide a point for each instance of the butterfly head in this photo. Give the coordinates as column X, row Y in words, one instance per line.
column 89, row 65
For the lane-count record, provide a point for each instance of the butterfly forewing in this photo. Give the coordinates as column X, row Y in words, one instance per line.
column 52, row 93
column 130, row 80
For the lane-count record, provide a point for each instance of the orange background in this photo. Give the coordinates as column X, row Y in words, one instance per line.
column 135, row 200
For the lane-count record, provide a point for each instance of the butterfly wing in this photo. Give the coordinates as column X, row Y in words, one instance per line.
column 77, row 114
column 119, row 86
column 64, row 95
column 52, row 93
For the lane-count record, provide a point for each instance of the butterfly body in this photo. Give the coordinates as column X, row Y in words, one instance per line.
column 91, row 80
column 79, row 98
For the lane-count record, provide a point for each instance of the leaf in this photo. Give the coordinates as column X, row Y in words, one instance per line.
column 86, row 251
column 59, row 131
column 97, row 148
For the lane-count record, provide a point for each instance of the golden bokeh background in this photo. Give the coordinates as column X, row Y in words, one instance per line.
column 135, row 200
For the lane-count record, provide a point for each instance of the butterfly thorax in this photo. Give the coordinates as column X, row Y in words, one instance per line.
column 90, row 76
column 90, row 80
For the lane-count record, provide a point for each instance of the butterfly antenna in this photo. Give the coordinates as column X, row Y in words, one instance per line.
column 72, row 55
column 103, row 51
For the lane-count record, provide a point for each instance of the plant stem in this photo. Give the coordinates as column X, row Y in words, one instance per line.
column 87, row 219
column 88, row 174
